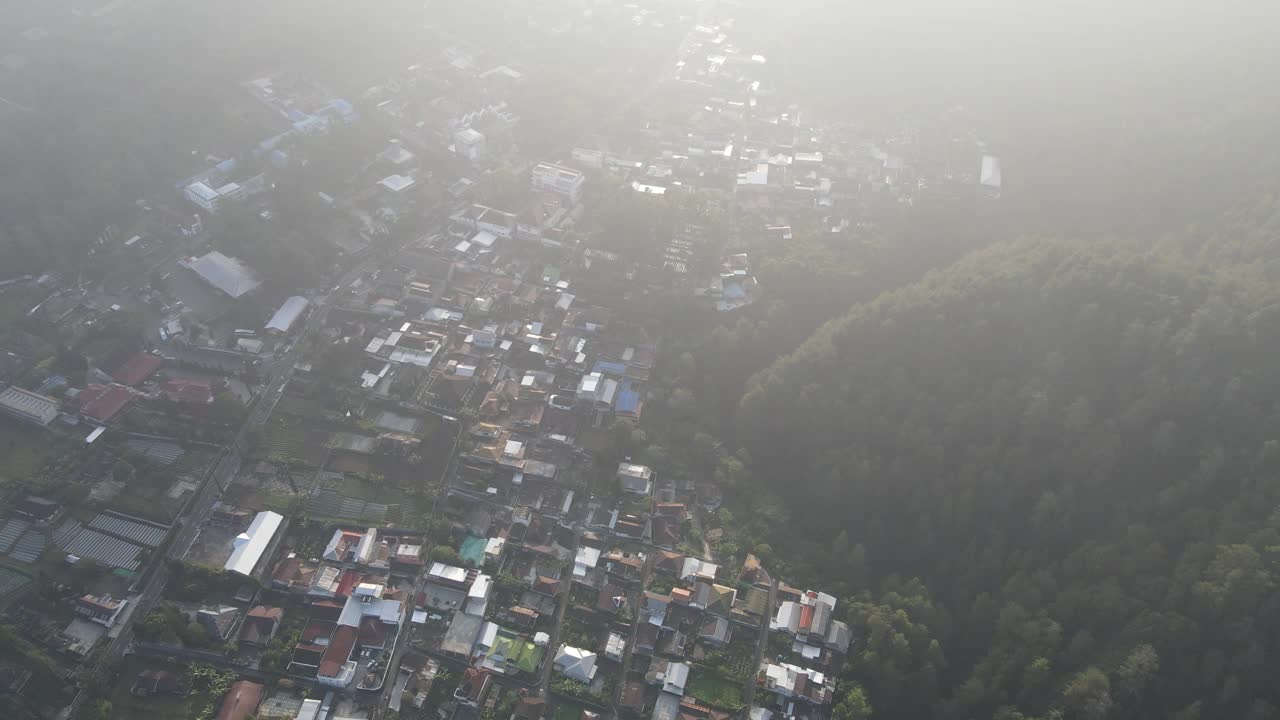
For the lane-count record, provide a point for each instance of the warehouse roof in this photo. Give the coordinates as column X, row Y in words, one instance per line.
column 224, row 273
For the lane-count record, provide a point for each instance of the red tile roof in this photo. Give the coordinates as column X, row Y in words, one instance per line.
column 473, row 682
column 327, row 609
column 348, row 582
column 315, row 630
column 806, row 617
column 338, row 652
column 372, row 633
column 188, row 391
column 241, row 700
column 102, row 402
column 136, row 369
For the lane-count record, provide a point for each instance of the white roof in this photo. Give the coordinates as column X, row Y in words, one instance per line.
column 587, row 558
column 252, row 345
column 397, row 183
column 29, row 404
column 589, row 383
column 759, row 176
column 494, row 546
column 615, row 645
column 675, row 678
column 372, row 590
column 253, row 542
column 488, row 634
column 203, row 190
column 310, row 710
column 693, row 567
column 331, row 550
column 447, row 572
column 288, row 314
column 648, row 189
column 480, row 588
column 224, row 273
column 576, row 663
column 610, row 390
column 397, row 155
column 990, row 176
column 485, row 238
column 788, row 616
column 365, row 550
column 462, row 246
column 421, row 358
column 640, row 471
column 387, row 611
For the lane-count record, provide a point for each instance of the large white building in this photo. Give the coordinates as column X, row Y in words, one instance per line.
column 576, row 664
column 990, row 176
column 634, row 478
column 224, row 273
column 28, row 406
column 252, row 544
column 210, row 198
column 469, row 143
column 288, row 314
column 558, row 179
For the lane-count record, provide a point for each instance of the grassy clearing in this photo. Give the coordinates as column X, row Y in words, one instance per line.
column 714, row 690
column 568, row 711
column 25, row 448
column 125, row 705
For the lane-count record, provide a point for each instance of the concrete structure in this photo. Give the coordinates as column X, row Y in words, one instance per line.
column 990, row 176
column 469, row 143
column 397, row 183
column 636, row 479
column 252, row 544
column 100, row 609
column 558, row 179
column 211, row 199
column 28, row 406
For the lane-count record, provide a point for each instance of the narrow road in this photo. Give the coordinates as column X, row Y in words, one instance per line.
column 762, row 642
column 553, row 645
column 645, row 571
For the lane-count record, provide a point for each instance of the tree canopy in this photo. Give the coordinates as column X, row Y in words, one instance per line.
column 1071, row 446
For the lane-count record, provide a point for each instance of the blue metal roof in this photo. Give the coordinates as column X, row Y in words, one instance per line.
column 628, row 398
column 612, row 368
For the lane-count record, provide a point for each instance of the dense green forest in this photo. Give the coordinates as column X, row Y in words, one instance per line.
column 1073, row 447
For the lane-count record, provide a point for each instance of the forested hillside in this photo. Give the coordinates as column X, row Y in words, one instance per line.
column 1074, row 449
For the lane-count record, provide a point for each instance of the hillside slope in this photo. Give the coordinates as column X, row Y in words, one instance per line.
column 1074, row 448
